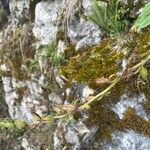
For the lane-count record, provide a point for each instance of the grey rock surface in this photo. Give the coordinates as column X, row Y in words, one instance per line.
column 72, row 134
column 46, row 20
column 128, row 140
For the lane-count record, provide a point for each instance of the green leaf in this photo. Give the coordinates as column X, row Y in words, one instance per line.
column 144, row 18
column 8, row 125
column 143, row 73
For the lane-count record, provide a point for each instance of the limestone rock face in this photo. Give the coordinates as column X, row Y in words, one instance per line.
column 25, row 26
column 47, row 20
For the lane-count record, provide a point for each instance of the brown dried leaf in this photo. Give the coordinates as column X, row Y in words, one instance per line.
column 101, row 80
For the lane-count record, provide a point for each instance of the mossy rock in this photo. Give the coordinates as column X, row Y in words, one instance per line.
column 103, row 60
column 88, row 64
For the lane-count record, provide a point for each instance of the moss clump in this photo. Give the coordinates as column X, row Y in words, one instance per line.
column 132, row 121
column 70, row 52
column 91, row 63
column 142, row 41
column 102, row 115
column 146, row 106
column 105, row 119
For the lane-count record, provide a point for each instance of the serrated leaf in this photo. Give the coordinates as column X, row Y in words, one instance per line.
column 144, row 73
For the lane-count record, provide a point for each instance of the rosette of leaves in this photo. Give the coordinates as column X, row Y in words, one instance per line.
column 106, row 16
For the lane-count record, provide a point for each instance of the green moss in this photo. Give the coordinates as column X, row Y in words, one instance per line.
column 70, row 52
column 142, row 41
column 146, row 106
column 88, row 64
column 101, row 61
column 104, row 118
column 132, row 121
column 102, row 115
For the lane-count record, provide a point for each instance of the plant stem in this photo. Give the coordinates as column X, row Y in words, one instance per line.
column 62, row 116
column 143, row 62
column 101, row 94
